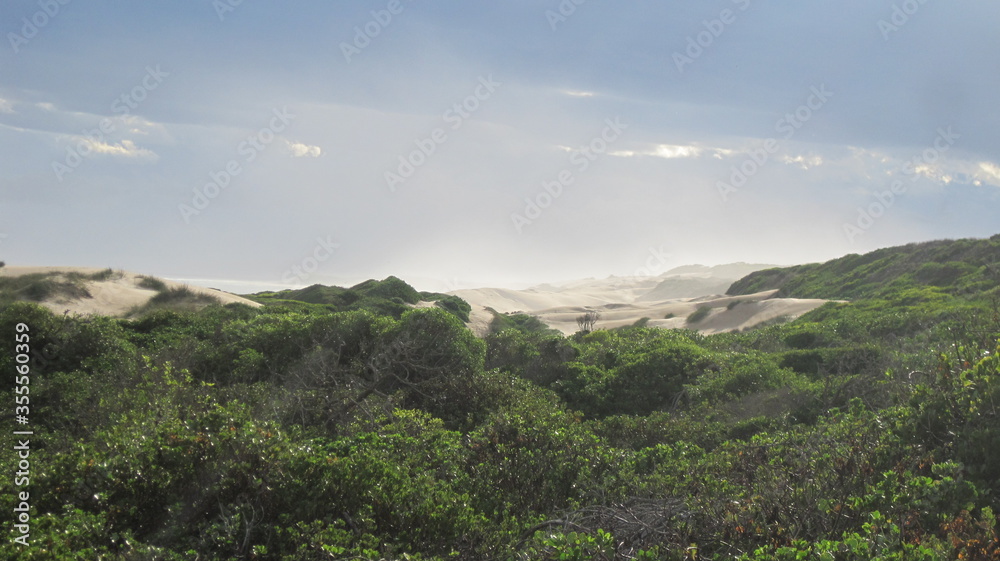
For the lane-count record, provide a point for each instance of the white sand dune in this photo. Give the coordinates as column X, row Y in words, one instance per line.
column 620, row 301
column 115, row 296
column 666, row 301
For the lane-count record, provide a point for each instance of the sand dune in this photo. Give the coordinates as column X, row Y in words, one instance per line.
column 666, row 301
column 115, row 296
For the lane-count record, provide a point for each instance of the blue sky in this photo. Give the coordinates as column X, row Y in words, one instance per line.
column 458, row 144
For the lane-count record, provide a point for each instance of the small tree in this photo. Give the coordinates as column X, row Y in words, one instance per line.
column 587, row 321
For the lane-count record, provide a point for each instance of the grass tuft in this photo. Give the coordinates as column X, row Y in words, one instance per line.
column 152, row 283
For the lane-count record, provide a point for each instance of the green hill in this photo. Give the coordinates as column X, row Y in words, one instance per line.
column 390, row 296
column 966, row 267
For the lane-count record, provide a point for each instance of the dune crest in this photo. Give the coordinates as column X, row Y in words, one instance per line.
column 96, row 291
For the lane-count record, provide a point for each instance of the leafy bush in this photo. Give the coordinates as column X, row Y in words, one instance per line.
column 456, row 306
column 357, row 427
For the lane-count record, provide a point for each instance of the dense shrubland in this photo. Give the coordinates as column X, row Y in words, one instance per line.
column 345, row 424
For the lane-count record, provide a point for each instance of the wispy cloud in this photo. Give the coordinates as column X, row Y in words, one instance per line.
column 673, row 151
column 804, row 162
column 123, row 149
column 6, row 106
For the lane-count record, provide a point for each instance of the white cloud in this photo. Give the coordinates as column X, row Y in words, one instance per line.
column 125, row 149
column 673, row 151
column 804, row 162
column 300, row 150
column 990, row 172
column 6, row 106
column 576, row 93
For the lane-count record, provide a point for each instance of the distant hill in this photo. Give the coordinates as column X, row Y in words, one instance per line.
column 955, row 267
column 666, row 301
column 391, row 296
column 691, row 281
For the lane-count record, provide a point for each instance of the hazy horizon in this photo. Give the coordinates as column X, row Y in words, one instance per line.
column 461, row 145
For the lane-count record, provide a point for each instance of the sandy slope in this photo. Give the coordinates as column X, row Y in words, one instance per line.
column 624, row 300
column 112, row 297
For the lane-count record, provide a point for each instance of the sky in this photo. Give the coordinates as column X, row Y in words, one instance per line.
column 264, row 145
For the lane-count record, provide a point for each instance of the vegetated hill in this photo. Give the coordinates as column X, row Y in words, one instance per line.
column 964, row 267
column 391, row 296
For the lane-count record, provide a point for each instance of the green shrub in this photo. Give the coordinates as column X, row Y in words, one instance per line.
column 39, row 287
column 456, row 306
column 152, row 283
column 699, row 314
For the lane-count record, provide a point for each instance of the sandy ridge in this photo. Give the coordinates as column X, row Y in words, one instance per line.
column 115, row 296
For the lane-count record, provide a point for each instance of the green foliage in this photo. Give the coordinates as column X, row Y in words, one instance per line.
column 633, row 371
column 389, row 288
column 102, row 275
column 520, row 322
column 857, row 359
column 641, row 322
column 456, row 306
column 698, row 315
column 152, row 283
column 739, row 375
column 38, row 287
column 960, row 267
column 358, row 427
column 179, row 298
column 390, row 296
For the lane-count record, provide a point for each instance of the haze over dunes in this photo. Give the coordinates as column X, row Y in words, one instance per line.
column 664, row 301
